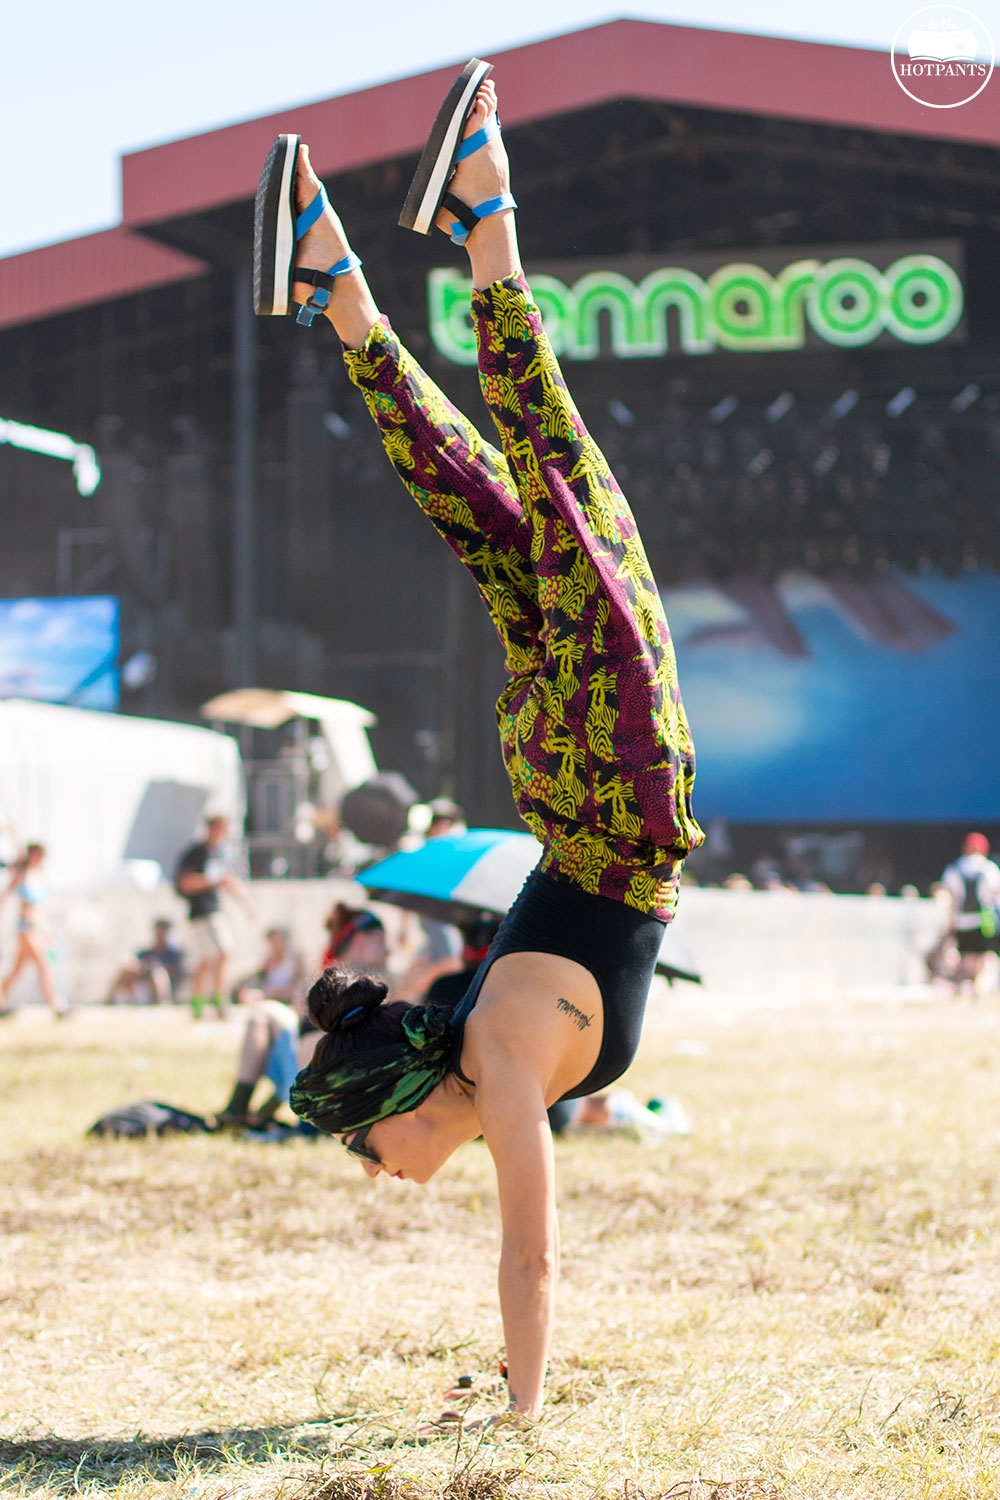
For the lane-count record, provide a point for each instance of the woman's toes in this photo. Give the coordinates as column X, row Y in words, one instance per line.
column 307, row 184
column 485, row 105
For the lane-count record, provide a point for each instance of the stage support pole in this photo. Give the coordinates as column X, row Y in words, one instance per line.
column 244, row 480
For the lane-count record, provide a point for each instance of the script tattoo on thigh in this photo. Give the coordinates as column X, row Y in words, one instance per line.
column 578, row 1017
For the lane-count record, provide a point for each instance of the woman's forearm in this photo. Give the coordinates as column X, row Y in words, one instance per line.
column 527, row 1303
column 510, row 1105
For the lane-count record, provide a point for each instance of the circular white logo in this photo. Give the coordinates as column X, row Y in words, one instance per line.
column 942, row 56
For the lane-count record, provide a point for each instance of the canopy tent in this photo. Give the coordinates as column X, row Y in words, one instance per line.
column 101, row 789
column 343, row 725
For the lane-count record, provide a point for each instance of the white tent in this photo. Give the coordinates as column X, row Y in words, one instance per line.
column 101, row 790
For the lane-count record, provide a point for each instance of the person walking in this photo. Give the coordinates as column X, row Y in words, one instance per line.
column 34, row 945
column 203, row 872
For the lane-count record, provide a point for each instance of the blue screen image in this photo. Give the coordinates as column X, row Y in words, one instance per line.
column 857, row 701
column 60, row 650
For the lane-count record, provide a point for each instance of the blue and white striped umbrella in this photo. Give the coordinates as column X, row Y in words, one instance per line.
column 460, row 876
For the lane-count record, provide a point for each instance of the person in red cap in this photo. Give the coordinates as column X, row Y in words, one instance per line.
column 973, row 882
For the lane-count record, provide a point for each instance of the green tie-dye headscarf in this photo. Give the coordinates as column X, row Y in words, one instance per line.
column 389, row 1080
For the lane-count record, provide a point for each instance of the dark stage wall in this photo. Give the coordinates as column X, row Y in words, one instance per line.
column 850, row 539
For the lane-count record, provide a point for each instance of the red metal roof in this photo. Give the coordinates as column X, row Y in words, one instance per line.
column 809, row 81
column 95, row 268
column 622, row 59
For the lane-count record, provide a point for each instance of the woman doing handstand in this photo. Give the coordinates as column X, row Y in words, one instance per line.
column 592, row 730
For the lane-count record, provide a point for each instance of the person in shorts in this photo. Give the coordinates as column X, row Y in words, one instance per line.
column 34, row 944
column 203, row 872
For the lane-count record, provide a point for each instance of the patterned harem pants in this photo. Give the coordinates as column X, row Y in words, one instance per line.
column 592, row 728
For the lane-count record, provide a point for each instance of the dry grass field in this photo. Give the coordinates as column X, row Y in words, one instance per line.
column 801, row 1300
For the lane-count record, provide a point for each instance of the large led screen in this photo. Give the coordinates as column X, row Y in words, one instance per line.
column 60, row 650
column 843, row 699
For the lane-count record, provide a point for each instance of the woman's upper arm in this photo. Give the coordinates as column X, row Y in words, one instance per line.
column 511, row 1110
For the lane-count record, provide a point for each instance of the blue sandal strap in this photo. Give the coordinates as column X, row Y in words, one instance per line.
column 350, row 262
column 494, row 205
column 469, row 217
column 323, row 282
column 473, row 143
column 308, row 216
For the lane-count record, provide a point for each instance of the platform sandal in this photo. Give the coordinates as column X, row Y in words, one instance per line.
column 439, row 156
column 277, row 229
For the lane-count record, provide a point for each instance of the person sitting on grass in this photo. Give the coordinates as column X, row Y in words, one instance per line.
column 281, row 973
column 279, row 1038
column 356, row 937
column 618, row 1111
column 156, row 972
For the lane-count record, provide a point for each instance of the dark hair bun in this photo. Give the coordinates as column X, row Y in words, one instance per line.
column 339, row 999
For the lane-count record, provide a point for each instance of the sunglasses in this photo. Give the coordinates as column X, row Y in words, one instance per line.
column 357, row 1145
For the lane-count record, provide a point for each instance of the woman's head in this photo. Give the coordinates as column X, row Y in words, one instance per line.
column 378, row 1064
column 34, row 854
column 356, row 938
column 278, row 940
column 352, row 1009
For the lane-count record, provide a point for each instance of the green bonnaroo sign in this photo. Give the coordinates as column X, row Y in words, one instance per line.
column 846, row 302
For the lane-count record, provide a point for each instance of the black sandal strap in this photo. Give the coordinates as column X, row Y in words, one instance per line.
column 315, row 278
column 463, row 213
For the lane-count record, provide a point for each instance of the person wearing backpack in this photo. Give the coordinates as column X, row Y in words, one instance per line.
column 973, row 883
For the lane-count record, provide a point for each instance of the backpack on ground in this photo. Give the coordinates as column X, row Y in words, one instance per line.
column 149, row 1117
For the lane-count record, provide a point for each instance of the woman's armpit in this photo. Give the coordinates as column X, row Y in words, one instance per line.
column 540, row 1015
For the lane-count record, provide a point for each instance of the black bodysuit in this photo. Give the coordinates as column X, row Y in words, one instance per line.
column 616, row 943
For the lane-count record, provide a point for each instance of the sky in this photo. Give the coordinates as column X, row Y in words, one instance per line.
column 82, row 84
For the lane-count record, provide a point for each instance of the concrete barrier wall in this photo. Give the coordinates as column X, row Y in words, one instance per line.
column 787, row 942
column 746, row 942
column 95, row 933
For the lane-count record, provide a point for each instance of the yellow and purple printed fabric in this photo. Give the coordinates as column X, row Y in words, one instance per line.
column 592, row 729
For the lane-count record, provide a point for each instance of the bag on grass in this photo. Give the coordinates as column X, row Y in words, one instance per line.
column 149, row 1117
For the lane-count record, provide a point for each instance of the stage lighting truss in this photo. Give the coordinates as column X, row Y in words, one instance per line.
column 779, row 407
column 901, row 401
column 966, row 397
column 864, row 479
column 723, row 409
column 86, row 469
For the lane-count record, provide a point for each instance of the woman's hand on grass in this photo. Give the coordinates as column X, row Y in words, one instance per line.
column 472, row 1387
column 453, row 1421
